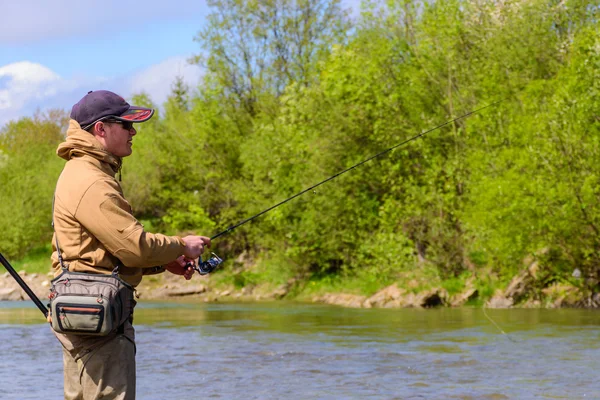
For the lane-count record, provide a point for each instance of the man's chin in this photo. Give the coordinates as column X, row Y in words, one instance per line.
column 126, row 152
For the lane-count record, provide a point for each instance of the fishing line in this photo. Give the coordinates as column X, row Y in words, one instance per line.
column 231, row 228
column 497, row 326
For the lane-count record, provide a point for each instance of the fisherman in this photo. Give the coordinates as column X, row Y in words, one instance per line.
column 95, row 232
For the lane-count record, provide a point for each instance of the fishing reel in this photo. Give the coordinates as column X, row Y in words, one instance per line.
column 208, row 266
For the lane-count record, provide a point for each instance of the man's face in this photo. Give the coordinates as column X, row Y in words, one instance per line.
column 118, row 138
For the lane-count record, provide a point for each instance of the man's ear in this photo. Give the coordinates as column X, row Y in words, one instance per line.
column 99, row 129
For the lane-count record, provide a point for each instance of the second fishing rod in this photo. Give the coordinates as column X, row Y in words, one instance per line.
column 208, row 266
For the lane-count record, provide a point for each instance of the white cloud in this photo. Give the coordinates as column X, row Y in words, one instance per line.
column 158, row 79
column 29, row 21
column 24, row 82
column 36, row 20
column 26, row 87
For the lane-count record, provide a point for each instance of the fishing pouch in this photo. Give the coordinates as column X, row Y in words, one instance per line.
column 89, row 304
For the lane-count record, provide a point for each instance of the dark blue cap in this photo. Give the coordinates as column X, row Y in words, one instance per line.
column 102, row 104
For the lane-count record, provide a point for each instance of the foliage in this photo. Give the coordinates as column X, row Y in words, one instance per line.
column 295, row 92
column 27, row 179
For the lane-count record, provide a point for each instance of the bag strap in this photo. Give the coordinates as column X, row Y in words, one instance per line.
column 58, row 252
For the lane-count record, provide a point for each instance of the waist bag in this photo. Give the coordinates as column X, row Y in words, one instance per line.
column 89, row 304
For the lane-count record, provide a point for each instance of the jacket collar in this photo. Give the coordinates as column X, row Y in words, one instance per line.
column 81, row 143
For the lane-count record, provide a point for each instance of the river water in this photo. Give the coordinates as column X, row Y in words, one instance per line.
column 295, row 351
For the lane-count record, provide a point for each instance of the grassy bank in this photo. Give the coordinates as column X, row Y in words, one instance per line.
column 416, row 287
column 36, row 261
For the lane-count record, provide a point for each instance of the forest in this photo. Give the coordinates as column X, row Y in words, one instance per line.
column 295, row 91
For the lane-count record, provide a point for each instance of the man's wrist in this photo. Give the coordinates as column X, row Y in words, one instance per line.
column 156, row 270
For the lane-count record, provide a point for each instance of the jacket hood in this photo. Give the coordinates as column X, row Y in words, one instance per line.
column 80, row 143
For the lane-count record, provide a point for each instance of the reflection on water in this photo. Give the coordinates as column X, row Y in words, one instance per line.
column 292, row 351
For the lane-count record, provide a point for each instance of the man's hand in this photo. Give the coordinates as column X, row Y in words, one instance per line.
column 178, row 267
column 194, row 246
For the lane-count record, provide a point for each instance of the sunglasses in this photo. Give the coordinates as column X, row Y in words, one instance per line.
column 127, row 125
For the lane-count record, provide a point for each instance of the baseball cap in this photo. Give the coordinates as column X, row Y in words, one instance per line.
column 101, row 104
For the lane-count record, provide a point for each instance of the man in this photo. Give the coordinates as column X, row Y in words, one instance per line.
column 96, row 232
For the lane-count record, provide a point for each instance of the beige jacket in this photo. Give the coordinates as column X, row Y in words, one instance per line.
column 93, row 221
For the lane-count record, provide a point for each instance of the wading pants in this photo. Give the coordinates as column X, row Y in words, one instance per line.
column 107, row 372
column 99, row 367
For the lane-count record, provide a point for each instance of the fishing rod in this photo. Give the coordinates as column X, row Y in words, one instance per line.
column 23, row 285
column 206, row 267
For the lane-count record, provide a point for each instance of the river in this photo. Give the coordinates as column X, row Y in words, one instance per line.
column 306, row 351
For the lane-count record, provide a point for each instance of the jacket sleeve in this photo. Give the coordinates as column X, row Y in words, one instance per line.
column 107, row 216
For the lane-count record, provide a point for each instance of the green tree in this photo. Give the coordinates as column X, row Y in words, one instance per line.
column 28, row 174
column 258, row 48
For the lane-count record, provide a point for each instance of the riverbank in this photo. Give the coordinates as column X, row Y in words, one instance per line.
column 522, row 291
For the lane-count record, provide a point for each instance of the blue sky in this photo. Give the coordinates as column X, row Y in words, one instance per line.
column 52, row 52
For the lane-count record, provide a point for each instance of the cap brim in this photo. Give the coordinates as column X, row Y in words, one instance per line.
column 136, row 114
